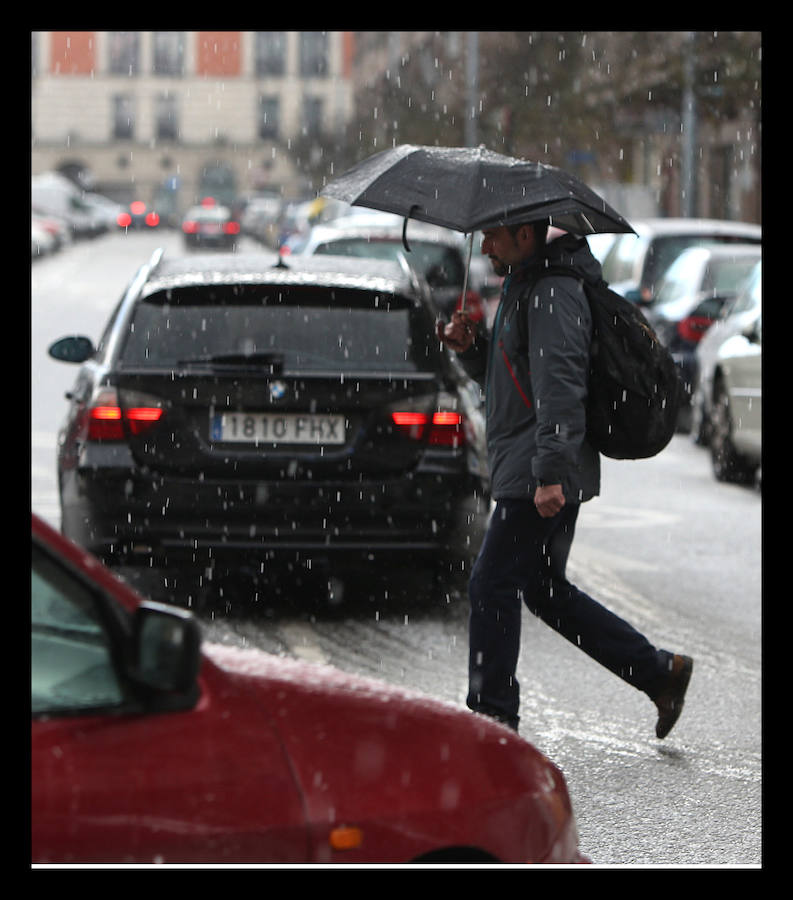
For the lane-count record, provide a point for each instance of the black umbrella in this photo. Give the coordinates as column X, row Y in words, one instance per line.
column 471, row 188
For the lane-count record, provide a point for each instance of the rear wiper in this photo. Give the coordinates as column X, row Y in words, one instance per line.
column 273, row 361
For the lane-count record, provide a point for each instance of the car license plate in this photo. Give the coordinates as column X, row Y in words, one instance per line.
column 277, row 428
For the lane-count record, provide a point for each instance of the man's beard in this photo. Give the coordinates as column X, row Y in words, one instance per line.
column 500, row 268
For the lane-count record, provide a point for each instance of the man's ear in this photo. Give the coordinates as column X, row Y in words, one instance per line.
column 526, row 236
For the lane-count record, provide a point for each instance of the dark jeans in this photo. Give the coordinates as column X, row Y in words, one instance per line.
column 523, row 559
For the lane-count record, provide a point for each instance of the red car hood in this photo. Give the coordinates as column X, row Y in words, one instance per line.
column 396, row 768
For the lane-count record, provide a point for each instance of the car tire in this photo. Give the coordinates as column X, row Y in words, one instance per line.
column 728, row 464
column 700, row 424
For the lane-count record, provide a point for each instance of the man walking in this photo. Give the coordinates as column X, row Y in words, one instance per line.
column 534, row 373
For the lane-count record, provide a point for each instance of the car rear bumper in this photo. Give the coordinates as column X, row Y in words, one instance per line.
column 129, row 519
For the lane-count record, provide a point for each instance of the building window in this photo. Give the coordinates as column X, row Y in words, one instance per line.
column 313, row 54
column 166, row 118
column 169, row 53
column 123, row 47
column 270, row 53
column 269, row 117
column 123, row 117
column 312, row 116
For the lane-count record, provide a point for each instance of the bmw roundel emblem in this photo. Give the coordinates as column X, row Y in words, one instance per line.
column 277, row 390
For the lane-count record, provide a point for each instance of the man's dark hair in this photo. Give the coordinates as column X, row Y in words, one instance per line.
column 540, row 231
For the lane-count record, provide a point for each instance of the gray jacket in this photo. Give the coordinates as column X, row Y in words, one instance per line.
column 535, row 379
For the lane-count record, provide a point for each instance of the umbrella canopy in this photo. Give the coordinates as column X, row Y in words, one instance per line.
column 468, row 189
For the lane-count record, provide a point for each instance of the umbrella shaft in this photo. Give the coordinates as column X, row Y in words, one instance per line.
column 467, row 269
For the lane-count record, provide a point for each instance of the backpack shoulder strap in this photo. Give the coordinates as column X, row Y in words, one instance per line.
column 557, row 270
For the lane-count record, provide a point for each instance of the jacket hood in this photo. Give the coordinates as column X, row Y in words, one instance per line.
column 570, row 250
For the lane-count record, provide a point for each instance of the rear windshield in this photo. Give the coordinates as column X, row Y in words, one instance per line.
column 305, row 329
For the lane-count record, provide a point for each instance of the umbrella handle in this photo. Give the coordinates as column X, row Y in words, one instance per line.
column 405, row 227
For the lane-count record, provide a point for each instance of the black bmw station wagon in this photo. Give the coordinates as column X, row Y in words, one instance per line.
column 237, row 415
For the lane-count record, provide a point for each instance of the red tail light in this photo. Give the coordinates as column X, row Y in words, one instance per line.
column 124, row 220
column 410, row 419
column 141, row 418
column 107, row 419
column 104, row 424
column 411, row 424
column 152, row 219
column 693, row 328
column 445, row 428
column 189, row 227
column 231, row 228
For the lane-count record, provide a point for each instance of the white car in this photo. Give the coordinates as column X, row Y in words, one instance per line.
column 41, row 241
column 737, row 316
column 735, row 397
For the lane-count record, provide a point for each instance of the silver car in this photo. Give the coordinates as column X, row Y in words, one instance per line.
column 728, row 398
column 741, row 313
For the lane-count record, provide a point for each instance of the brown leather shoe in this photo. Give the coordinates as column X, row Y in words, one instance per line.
column 670, row 698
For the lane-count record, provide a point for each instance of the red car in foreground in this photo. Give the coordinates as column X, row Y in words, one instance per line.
column 145, row 750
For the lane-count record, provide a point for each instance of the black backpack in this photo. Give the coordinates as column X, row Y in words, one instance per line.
column 634, row 390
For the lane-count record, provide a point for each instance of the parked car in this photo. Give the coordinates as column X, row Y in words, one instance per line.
column 437, row 254
column 41, row 241
column 260, row 218
column 146, row 750
column 635, row 263
column 103, row 208
column 210, row 226
column 736, row 420
column 237, row 413
column 295, row 221
column 738, row 316
column 332, row 213
column 730, row 390
column 139, row 216
column 695, row 290
column 53, row 194
column 56, row 228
